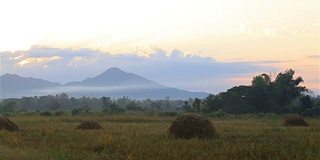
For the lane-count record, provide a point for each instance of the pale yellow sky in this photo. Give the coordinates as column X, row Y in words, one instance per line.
column 243, row 30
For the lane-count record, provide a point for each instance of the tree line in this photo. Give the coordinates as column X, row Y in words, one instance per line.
column 106, row 104
column 282, row 95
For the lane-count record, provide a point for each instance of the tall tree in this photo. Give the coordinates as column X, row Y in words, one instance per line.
column 286, row 89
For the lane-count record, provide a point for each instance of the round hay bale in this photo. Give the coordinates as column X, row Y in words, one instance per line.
column 86, row 125
column 6, row 124
column 190, row 126
column 295, row 120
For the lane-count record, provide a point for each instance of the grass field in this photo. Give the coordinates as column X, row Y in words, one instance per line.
column 145, row 137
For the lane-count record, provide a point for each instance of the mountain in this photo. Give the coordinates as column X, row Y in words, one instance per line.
column 113, row 83
column 115, row 77
column 13, row 85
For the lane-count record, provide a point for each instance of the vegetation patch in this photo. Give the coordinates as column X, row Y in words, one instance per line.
column 190, row 126
column 6, row 124
column 295, row 120
column 86, row 125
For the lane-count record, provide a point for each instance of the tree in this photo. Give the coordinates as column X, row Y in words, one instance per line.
column 11, row 106
column 76, row 111
column 114, row 108
column 106, row 102
column 54, row 106
column 306, row 103
column 212, row 103
column 186, row 107
column 197, row 105
column 29, row 103
column 286, row 89
column 133, row 107
column 63, row 100
column 234, row 103
column 261, row 80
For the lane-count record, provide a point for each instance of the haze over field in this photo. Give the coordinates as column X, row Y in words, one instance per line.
column 206, row 46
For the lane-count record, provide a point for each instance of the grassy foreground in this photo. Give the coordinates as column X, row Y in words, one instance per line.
column 145, row 137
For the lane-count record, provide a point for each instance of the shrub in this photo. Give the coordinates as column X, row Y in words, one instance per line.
column 58, row 113
column 219, row 113
column 76, row 111
column 312, row 112
column 114, row 109
column 295, row 120
column 86, row 125
column 46, row 113
column 6, row 124
column 191, row 126
column 169, row 113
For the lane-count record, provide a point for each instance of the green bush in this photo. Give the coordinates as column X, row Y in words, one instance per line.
column 219, row 113
column 312, row 112
column 169, row 113
column 76, row 111
column 46, row 113
column 58, row 113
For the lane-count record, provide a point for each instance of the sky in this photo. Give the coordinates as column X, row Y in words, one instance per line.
column 200, row 45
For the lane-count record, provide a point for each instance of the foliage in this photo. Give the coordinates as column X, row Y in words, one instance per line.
column 133, row 106
column 186, row 107
column 169, row 113
column 106, row 102
column 76, row 111
column 197, row 105
column 219, row 113
column 46, row 113
column 58, row 113
column 263, row 95
column 64, row 102
column 114, row 109
column 8, row 107
column 312, row 112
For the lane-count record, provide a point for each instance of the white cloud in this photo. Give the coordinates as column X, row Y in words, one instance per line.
column 176, row 69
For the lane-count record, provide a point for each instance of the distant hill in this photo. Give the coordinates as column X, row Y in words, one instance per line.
column 13, row 86
column 115, row 77
column 113, row 82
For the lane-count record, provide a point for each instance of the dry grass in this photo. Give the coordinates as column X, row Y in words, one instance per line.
column 191, row 126
column 7, row 124
column 295, row 120
column 86, row 125
column 141, row 137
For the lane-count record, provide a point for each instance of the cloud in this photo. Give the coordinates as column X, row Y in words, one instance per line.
column 313, row 56
column 174, row 69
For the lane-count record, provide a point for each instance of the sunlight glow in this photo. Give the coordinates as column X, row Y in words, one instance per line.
column 243, row 30
column 38, row 60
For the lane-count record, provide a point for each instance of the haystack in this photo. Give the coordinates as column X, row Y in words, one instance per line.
column 6, row 124
column 86, row 125
column 295, row 120
column 191, row 126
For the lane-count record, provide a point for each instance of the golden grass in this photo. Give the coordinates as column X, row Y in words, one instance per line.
column 145, row 137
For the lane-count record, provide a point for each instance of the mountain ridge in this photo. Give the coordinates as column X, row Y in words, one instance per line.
column 113, row 82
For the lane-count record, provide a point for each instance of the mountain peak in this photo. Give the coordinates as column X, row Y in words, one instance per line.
column 116, row 77
column 112, row 71
column 115, row 69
